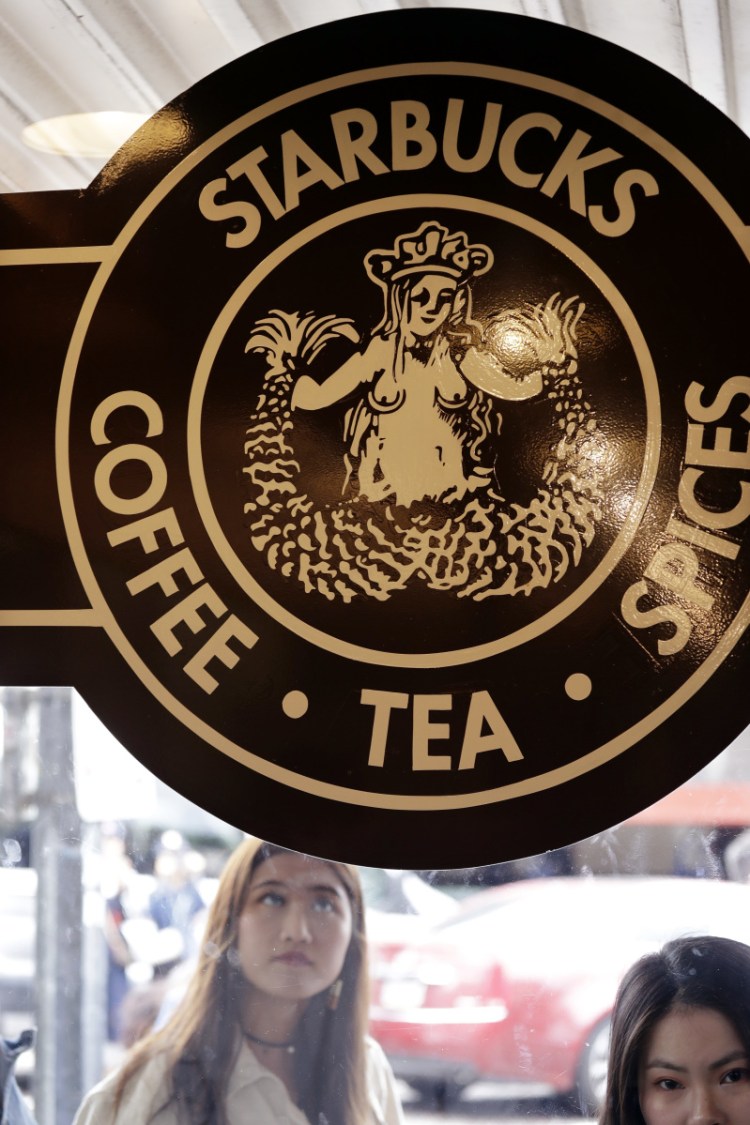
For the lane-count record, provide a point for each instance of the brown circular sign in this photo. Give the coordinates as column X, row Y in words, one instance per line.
column 403, row 439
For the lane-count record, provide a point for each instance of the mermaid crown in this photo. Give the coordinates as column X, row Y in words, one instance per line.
column 431, row 249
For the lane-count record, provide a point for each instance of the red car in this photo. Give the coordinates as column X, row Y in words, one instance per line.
column 518, row 986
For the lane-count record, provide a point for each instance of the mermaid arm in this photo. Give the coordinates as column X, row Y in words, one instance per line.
column 488, row 374
column 525, row 349
column 359, row 369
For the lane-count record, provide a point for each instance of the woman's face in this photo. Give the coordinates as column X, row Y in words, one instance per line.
column 694, row 1071
column 429, row 302
column 295, row 927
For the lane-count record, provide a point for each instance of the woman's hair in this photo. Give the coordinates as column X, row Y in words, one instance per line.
column 202, row 1039
column 696, row 972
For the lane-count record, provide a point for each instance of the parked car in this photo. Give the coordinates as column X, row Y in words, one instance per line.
column 401, row 907
column 518, row 986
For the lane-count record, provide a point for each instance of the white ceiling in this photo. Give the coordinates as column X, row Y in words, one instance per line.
column 71, row 56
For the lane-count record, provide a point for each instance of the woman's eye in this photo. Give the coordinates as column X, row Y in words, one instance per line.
column 668, row 1084
column 737, row 1074
column 271, row 898
column 324, row 905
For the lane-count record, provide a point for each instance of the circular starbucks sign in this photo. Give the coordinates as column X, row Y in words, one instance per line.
column 404, row 438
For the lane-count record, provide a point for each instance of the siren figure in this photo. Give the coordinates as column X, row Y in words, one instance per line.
column 420, row 499
column 415, row 432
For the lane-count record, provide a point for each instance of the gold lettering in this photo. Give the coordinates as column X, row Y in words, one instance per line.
column 425, row 731
column 410, row 130
column 509, row 142
column 151, row 494
column 163, row 573
column 482, row 711
column 217, row 648
column 384, row 702
column 186, row 613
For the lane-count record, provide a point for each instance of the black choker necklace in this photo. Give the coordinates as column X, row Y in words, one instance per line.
column 288, row 1047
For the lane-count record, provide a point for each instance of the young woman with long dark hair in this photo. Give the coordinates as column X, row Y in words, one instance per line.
column 273, row 1026
column 680, row 1045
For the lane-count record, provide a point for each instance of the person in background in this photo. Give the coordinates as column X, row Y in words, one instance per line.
column 13, row 1107
column 272, row 1028
column 116, row 878
column 176, row 901
column 680, row 1044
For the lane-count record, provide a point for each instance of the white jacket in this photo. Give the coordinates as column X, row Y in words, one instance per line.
column 253, row 1094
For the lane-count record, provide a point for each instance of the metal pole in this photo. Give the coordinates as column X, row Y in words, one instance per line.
column 14, row 759
column 56, row 854
column 94, row 972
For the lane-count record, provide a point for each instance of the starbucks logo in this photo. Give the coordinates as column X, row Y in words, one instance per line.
column 400, row 457
column 433, row 444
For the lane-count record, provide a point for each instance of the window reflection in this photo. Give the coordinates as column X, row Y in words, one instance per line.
column 491, row 988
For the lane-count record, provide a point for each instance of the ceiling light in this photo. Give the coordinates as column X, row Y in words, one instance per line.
column 83, row 134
